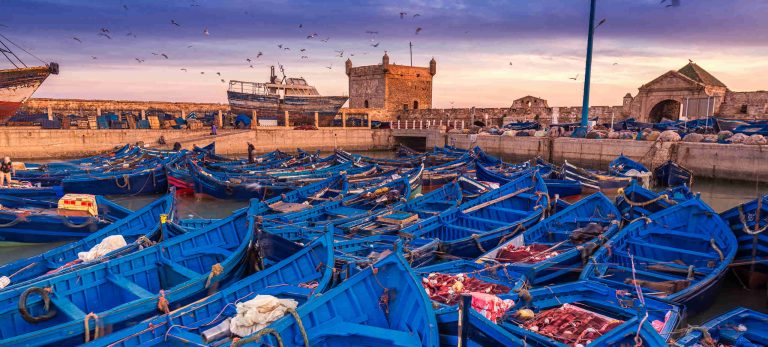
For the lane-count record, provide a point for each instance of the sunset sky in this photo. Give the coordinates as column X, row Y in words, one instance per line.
column 488, row 52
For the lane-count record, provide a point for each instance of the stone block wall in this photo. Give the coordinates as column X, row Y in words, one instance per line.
column 41, row 105
column 745, row 105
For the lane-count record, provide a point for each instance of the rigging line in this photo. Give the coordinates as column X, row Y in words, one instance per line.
column 8, row 50
column 24, row 50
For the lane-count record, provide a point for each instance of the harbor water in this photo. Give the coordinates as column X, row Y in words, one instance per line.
column 721, row 195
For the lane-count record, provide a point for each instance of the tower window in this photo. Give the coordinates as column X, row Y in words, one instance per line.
column 405, row 107
column 365, row 104
column 743, row 109
column 415, row 104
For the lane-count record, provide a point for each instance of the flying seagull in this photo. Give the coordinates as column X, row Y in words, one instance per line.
column 248, row 59
column 140, row 60
column 164, row 55
column 94, row 57
column 574, row 78
column 376, row 44
column 76, row 39
column 402, row 14
column 104, row 30
column 105, row 35
column 205, row 31
column 326, row 39
column 173, row 21
column 371, row 32
column 418, row 30
column 218, row 73
column 416, row 15
column 183, row 69
column 222, row 81
column 259, row 55
column 329, row 67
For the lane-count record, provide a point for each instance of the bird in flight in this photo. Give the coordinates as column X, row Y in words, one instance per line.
column 76, row 39
column 614, row 64
column 510, row 63
column 371, row 32
column 205, row 31
column 105, row 35
column 259, row 55
column 304, row 57
column 402, row 14
column 375, row 44
column 183, row 69
column 574, row 78
column 94, row 57
column 418, row 30
column 251, row 66
column 301, row 25
column 125, row 7
column 248, row 59
column 104, row 30
column 222, row 81
column 131, row 34
column 416, row 15
column 202, row 72
column 140, row 60
column 329, row 67
column 280, row 46
column 174, row 22
column 673, row 3
column 341, row 53
column 218, row 73
column 164, row 55
column 326, row 39
column 602, row 21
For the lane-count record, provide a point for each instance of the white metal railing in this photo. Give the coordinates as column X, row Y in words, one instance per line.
column 421, row 124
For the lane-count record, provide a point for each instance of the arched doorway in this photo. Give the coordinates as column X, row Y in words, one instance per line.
column 665, row 110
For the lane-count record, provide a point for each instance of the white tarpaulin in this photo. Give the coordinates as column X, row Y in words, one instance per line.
column 257, row 313
column 108, row 244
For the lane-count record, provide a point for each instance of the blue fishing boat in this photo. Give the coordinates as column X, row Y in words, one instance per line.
column 671, row 174
column 635, row 201
column 33, row 192
column 403, row 214
column 622, row 165
column 127, row 289
column 305, row 224
column 679, row 254
column 137, row 229
column 149, row 179
column 594, row 181
column 558, row 246
column 384, row 305
column 35, row 221
column 469, row 230
column 739, row 327
column 748, row 222
column 560, row 187
column 299, row 276
column 234, row 188
column 590, row 314
column 474, row 330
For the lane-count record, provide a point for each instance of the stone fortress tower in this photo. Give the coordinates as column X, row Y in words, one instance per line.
column 390, row 87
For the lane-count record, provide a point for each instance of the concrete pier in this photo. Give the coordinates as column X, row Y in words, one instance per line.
column 36, row 143
column 710, row 160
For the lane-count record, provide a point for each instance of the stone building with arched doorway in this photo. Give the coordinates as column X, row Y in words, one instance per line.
column 688, row 93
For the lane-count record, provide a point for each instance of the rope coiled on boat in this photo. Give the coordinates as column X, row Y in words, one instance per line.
column 44, row 294
column 20, row 217
column 162, row 303
column 126, row 182
column 96, row 329
column 69, row 224
column 257, row 336
column 743, row 221
column 664, row 197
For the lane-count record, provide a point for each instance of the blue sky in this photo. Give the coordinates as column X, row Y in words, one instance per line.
column 488, row 52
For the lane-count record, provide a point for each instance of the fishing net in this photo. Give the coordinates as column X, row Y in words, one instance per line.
column 447, row 289
column 571, row 325
column 526, row 254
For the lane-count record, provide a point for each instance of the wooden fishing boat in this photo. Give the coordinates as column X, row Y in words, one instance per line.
column 127, row 289
column 635, row 201
column 623, row 166
column 596, row 315
column 35, row 221
column 474, row 330
column 234, row 188
column 594, row 181
column 483, row 223
column 557, row 247
column 738, row 327
column 137, row 229
column 142, row 180
column 748, row 222
column 300, row 276
column 402, row 214
column 301, row 225
column 679, row 254
column 384, row 305
column 560, row 187
column 33, row 192
column 671, row 174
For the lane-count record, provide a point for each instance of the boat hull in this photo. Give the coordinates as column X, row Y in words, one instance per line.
column 17, row 86
column 272, row 105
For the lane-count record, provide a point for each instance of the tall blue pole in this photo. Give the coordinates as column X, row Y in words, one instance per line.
column 582, row 131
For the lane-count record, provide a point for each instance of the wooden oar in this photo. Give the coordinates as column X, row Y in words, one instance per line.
column 499, row 199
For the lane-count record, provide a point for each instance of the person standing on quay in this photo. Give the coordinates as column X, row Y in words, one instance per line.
column 213, row 129
column 6, row 169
